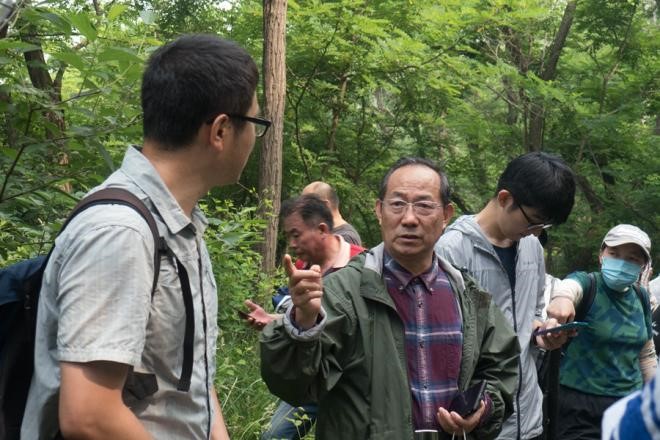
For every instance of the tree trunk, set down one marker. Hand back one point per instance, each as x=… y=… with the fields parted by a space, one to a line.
x=41 y=79
x=336 y=111
x=548 y=72
x=595 y=204
x=270 y=164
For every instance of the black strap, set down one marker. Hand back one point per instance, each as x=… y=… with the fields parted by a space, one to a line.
x=587 y=300
x=121 y=196
x=189 y=335
x=646 y=306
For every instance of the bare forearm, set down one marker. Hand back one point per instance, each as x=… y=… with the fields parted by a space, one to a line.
x=648 y=360
x=116 y=423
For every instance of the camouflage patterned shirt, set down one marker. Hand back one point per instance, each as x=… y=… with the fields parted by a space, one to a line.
x=603 y=359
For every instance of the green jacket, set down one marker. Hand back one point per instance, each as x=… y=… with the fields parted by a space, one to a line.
x=355 y=366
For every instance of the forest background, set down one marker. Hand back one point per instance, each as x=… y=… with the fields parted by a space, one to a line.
x=468 y=83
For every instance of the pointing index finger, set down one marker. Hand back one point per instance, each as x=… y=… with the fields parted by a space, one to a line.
x=289 y=268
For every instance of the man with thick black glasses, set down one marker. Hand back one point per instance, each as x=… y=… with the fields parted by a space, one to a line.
x=116 y=356
x=498 y=246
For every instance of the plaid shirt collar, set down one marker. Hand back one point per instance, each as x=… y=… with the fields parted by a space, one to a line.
x=404 y=277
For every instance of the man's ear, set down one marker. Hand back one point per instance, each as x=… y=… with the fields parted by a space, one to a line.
x=448 y=211
x=378 y=209
x=504 y=198
x=217 y=134
x=323 y=228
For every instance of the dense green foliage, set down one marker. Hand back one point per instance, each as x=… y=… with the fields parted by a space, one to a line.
x=460 y=81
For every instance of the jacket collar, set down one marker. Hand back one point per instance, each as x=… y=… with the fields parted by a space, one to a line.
x=373 y=286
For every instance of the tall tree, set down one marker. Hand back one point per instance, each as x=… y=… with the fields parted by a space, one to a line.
x=270 y=164
x=548 y=72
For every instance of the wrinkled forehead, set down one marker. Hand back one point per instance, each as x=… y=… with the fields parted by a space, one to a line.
x=414 y=180
x=295 y=223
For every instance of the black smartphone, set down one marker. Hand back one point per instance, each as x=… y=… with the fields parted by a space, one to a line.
x=243 y=314
x=468 y=401
x=563 y=327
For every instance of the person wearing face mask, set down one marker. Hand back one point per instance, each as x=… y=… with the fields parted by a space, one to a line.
x=615 y=354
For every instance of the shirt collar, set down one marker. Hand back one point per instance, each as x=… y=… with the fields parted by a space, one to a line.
x=403 y=276
x=141 y=171
x=344 y=254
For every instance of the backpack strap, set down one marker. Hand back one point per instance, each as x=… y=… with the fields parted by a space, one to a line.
x=587 y=299
x=121 y=196
x=646 y=305
x=189 y=334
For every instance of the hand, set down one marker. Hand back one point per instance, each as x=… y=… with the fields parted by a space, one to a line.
x=306 y=289
x=258 y=317
x=562 y=309
x=453 y=423
x=551 y=341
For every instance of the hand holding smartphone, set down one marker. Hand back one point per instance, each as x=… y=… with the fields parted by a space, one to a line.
x=468 y=401
x=243 y=314
x=564 y=327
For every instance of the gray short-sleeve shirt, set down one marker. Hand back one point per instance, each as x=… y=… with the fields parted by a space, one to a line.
x=96 y=305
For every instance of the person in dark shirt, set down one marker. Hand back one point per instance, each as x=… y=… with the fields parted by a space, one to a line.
x=329 y=196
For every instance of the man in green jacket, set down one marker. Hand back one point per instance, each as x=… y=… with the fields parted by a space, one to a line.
x=384 y=345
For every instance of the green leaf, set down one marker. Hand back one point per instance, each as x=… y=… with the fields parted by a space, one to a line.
x=119 y=54
x=115 y=11
x=20 y=46
x=60 y=23
x=106 y=156
x=71 y=58
x=84 y=25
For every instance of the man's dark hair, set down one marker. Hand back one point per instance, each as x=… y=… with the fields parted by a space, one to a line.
x=190 y=80
x=541 y=181
x=445 y=191
x=311 y=209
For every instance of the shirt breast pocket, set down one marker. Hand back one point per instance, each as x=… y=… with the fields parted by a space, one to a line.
x=167 y=320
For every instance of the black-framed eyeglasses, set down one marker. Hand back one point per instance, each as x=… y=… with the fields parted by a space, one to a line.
x=260 y=125
x=530 y=224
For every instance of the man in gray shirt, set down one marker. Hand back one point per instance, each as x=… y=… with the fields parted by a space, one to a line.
x=329 y=196
x=99 y=327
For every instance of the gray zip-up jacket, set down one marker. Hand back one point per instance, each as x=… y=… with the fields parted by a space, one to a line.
x=465 y=245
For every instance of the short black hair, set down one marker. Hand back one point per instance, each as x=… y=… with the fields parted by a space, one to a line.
x=311 y=209
x=541 y=181
x=192 y=79
x=445 y=190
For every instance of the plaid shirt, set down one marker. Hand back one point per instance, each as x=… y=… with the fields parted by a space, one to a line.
x=433 y=337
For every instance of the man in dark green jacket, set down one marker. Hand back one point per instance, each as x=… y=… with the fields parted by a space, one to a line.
x=400 y=331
